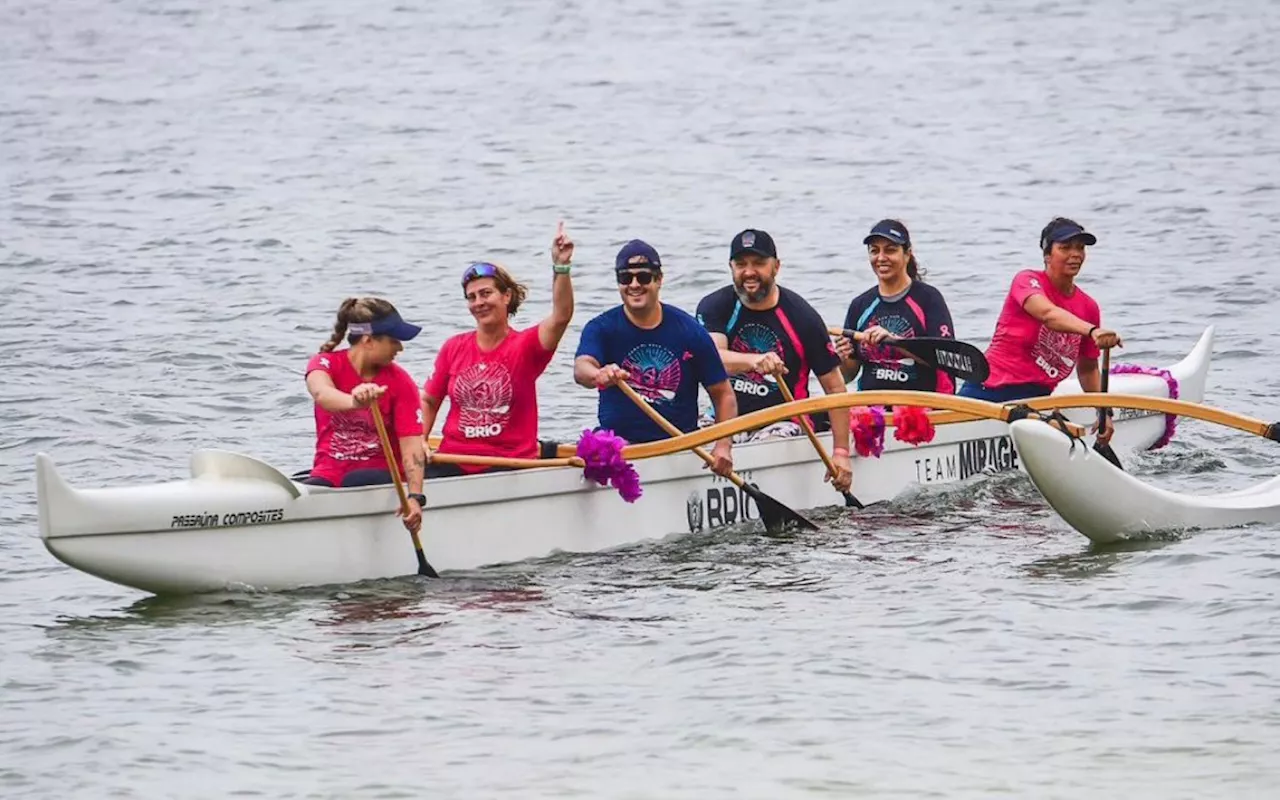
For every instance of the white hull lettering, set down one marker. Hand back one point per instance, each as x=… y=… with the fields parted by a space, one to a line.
x=939 y=469
x=987 y=455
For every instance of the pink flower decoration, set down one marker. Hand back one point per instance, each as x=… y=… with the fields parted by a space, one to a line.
x=602 y=452
x=868 y=430
x=1170 y=420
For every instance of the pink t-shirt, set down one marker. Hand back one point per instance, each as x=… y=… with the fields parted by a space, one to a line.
x=493 y=398
x=348 y=440
x=1025 y=351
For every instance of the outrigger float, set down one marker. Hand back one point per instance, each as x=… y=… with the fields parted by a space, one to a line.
x=238 y=523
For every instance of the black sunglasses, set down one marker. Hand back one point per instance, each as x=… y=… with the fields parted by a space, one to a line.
x=644 y=277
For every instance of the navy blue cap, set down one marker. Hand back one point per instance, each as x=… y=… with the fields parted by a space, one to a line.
x=635 y=249
x=891 y=230
x=1063 y=230
x=753 y=241
x=390 y=325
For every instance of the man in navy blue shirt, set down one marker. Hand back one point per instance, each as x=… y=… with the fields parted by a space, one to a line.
x=660 y=350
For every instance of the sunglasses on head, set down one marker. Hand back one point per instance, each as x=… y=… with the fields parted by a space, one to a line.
x=482 y=270
x=643 y=277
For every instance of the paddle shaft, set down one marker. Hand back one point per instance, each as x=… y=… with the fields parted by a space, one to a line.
x=672 y=430
x=424 y=567
x=817 y=445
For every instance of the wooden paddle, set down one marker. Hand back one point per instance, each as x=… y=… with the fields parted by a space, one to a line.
x=953 y=357
x=849 y=499
x=774 y=514
x=1104 y=448
x=424 y=568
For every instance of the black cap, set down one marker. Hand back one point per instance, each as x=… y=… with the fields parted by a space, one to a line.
x=889 y=229
x=1062 y=230
x=753 y=241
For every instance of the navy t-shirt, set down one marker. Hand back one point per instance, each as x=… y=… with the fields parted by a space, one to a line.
x=666 y=364
x=792 y=329
x=921 y=311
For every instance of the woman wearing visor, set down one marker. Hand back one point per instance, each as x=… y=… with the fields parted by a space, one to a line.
x=344 y=383
x=1048 y=327
x=490 y=374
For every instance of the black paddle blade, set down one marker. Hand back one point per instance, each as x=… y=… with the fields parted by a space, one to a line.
x=960 y=359
x=1106 y=452
x=775 y=515
x=424 y=567
x=852 y=502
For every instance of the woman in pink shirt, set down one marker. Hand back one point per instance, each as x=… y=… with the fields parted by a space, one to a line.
x=345 y=383
x=1048 y=325
x=490 y=374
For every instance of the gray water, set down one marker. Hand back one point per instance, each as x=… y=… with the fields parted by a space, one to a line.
x=192 y=188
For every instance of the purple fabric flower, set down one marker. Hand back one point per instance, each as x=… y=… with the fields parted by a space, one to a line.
x=1170 y=420
x=602 y=452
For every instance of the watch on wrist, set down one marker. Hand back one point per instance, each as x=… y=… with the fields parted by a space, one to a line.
x=421 y=498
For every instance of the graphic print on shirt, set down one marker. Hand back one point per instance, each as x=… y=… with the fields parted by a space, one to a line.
x=755 y=338
x=1055 y=352
x=483 y=394
x=655 y=372
x=886 y=363
x=353 y=437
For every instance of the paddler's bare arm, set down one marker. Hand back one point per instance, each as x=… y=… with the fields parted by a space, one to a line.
x=833 y=383
x=736 y=363
x=413 y=456
x=588 y=372
x=1061 y=320
x=430 y=407
x=1089 y=374
x=333 y=400
x=551 y=330
x=725 y=402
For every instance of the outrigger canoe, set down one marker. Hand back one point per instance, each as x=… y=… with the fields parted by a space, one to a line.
x=238 y=523
x=1109 y=505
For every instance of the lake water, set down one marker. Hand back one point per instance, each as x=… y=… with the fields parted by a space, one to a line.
x=191 y=189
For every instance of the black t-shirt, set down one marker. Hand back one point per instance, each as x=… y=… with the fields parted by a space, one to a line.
x=920 y=311
x=792 y=329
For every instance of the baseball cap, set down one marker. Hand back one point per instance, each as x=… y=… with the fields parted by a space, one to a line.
x=889 y=229
x=753 y=241
x=1062 y=229
x=390 y=325
x=636 y=249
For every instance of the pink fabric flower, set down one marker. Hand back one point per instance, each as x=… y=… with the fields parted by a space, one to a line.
x=1170 y=420
x=868 y=430
x=911 y=424
x=602 y=452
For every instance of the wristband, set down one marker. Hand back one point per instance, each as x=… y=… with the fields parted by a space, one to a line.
x=1091 y=330
x=840 y=451
x=421 y=498
x=561 y=269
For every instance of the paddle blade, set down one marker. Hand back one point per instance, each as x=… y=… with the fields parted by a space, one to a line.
x=953 y=357
x=775 y=515
x=852 y=502
x=1106 y=452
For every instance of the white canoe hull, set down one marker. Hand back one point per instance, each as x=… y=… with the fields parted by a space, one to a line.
x=1109 y=505
x=240 y=524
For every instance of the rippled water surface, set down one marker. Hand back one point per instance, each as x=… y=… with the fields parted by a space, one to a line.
x=191 y=189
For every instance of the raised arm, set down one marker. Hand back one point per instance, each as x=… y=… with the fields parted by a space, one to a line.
x=333 y=400
x=551 y=330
